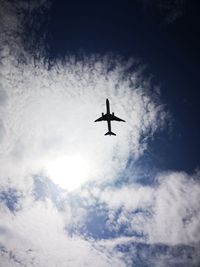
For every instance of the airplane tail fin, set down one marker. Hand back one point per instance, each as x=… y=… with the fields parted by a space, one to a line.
x=110 y=133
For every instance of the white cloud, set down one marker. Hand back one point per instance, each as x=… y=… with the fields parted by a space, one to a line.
x=49 y=115
x=36 y=236
x=167 y=213
x=46 y=116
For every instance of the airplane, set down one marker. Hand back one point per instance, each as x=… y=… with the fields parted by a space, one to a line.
x=108 y=117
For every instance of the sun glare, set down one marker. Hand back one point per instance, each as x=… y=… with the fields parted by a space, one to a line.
x=69 y=172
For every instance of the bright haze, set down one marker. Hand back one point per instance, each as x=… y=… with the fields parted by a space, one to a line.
x=69 y=195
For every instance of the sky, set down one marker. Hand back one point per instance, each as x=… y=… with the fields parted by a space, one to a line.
x=69 y=195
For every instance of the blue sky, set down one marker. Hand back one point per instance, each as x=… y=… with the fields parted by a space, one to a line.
x=70 y=196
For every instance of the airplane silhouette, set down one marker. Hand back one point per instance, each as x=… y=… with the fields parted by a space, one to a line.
x=108 y=117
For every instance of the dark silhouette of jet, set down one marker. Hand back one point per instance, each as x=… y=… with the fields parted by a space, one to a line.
x=108 y=117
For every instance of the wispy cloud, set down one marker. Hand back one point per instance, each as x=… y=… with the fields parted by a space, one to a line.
x=47 y=114
x=35 y=236
x=163 y=213
x=168 y=10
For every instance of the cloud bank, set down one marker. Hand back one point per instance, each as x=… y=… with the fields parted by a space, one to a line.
x=61 y=202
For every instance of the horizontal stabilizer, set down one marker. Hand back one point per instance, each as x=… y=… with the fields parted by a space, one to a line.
x=110 y=133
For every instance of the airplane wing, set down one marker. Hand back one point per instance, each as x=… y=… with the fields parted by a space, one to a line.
x=102 y=118
x=114 y=118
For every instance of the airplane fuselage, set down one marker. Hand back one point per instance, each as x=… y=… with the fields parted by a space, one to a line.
x=108 y=117
x=107 y=106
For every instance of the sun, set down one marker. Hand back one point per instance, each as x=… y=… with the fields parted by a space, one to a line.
x=69 y=172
